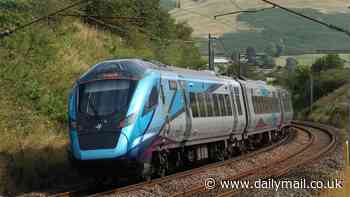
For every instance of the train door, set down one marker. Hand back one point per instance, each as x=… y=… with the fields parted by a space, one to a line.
x=246 y=106
x=174 y=111
x=228 y=116
x=238 y=109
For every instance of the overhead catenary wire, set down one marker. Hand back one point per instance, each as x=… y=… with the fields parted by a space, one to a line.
x=11 y=31
x=331 y=26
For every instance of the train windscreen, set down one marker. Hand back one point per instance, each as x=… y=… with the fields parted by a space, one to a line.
x=105 y=97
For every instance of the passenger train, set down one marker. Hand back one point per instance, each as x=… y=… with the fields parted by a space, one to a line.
x=155 y=118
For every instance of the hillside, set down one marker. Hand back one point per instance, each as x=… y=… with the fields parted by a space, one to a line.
x=39 y=65
x=260 y=29
x=199 y=13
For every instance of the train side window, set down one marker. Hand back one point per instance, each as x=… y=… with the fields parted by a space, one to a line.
x=152 y=101
x=254 y=104
x=216 y=105
x=228 y=104
x=239 y=104
x=209 y=99
x=261 y=104
x=222 y=105
x=272 y=105
x=202 y=107
x=268 y=107
x=193 y=102
x=257 y=104
x=289 y=103
x=285 y=102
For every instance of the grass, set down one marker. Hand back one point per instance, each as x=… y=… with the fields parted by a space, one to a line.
x=333 y=109
x=38 y=67
x=34 y=88
x=296 y=34
x=32 y=148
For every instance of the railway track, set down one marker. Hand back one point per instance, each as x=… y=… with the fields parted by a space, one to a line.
x=309 y=143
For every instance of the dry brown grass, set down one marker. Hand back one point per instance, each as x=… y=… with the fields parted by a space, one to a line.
x=344 y=192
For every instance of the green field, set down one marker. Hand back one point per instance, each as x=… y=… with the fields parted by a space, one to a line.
x=296 y=33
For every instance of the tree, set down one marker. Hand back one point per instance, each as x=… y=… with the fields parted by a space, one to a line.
x=271 y=49
x=280 y=48
x=251 y=55
x=269 y=62
x=327 y=62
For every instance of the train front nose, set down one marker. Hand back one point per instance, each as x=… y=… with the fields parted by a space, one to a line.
x=102 y=110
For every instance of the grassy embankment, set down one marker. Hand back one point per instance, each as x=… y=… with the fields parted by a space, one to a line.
x=33 y=101
x=333 y=109
x=38 y=66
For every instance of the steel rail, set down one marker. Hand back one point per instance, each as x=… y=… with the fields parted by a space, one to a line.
x=268 y=169
x=177 y=175
x=284 y=170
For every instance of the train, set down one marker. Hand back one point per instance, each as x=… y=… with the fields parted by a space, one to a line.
x=149 y=118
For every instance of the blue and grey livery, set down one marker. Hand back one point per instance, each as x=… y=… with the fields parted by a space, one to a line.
x=147 y=113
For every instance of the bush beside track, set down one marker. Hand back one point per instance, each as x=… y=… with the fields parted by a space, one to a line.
x=38 y=66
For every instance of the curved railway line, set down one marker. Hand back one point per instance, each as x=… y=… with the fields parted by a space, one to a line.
x=306 y=144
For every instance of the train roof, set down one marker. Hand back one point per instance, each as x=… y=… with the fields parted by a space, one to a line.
x=142 y=65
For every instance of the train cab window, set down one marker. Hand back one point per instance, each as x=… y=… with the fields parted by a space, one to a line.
x=238 y=100
x=209 y=100
x=152 y=101
x=216 y=105
x=193 y=101
x=222 y=105
x=201 y=102
x=228 y=104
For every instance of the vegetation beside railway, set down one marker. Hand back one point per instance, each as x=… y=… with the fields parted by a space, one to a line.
x=38 y=66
